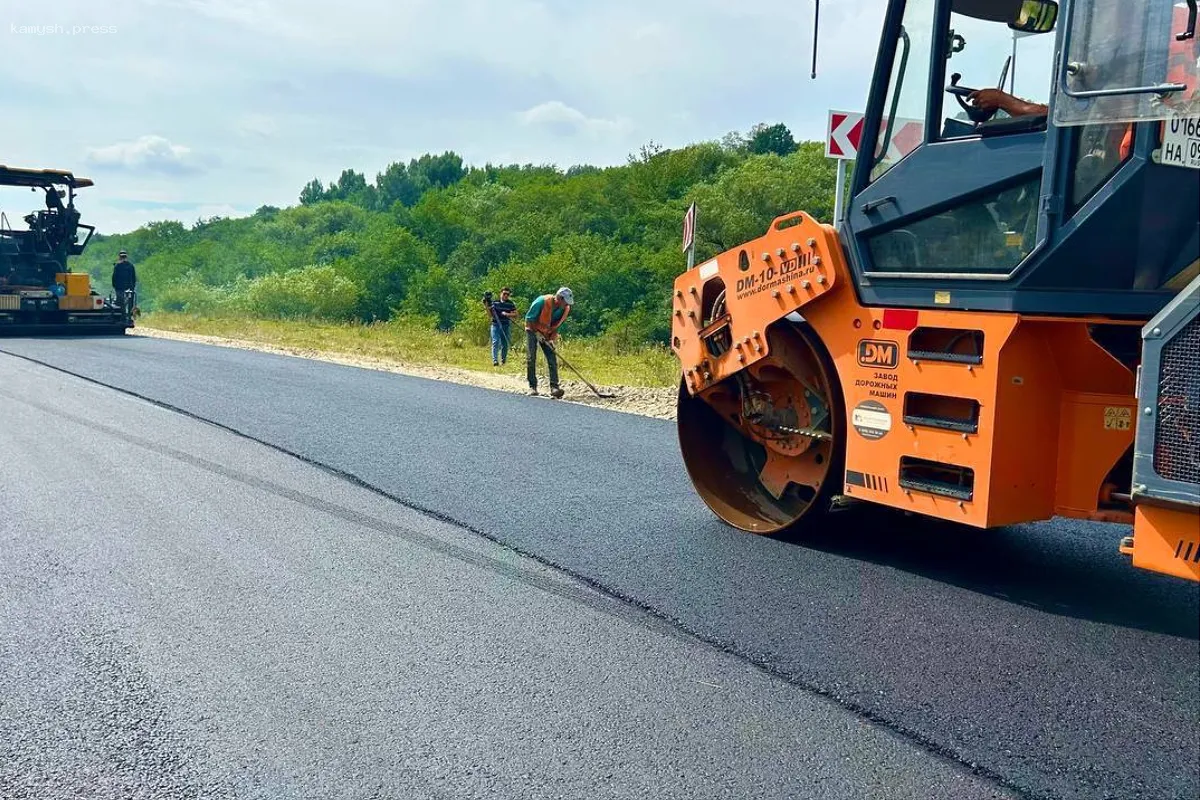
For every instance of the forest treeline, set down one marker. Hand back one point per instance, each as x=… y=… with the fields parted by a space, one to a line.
x=426 y=238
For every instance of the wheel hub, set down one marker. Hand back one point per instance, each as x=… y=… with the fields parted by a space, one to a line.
x=761 y=447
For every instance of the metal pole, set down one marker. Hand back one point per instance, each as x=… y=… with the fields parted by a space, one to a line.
x=816 y=26
x=1012 y=76
x=839 y=197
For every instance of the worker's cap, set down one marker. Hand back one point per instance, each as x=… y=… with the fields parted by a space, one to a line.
x=122 y=253
x=567 y=296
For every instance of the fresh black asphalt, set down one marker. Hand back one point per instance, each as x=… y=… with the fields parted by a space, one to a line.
x=1036 y=654
x=186 y=614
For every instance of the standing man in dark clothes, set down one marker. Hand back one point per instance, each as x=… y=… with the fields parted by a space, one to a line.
x=503 y=311
x=124 y=279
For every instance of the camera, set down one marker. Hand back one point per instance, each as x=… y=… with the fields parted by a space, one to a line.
x=487 y=303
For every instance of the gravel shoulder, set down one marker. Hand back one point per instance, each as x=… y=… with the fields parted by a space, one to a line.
x=657 y=403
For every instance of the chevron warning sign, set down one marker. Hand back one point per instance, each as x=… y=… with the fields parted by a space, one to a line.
x=844 y=134
x=689 y=227
x=845 y=129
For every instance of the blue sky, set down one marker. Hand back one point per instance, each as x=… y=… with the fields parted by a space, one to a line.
x=186 y=108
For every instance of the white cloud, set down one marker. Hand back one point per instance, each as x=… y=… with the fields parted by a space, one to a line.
x=562 y=118
x=147 y=153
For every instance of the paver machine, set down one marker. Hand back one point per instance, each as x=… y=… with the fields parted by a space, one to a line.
x=1002 y=325
x=39 y=294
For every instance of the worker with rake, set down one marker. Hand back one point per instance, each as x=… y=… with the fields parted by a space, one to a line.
x=542 y=321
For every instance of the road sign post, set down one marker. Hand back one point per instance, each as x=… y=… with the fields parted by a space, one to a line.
x=839 y=196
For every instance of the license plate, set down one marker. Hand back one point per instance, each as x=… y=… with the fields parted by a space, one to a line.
x=1181 y=142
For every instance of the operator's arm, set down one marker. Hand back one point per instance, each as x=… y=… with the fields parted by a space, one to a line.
x=988 y=99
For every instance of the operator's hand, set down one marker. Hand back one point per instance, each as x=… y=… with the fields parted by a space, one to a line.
x=988 y=99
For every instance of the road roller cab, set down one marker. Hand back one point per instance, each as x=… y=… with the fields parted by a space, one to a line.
x=1002 y=327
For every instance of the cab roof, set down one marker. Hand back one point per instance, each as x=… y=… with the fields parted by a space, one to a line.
x=15 y=176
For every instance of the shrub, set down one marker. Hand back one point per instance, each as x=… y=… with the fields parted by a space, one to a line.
x=312 y=291
x=191 y=296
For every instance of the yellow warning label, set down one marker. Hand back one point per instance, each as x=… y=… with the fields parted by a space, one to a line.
x=1117 y=418
x=941 y=298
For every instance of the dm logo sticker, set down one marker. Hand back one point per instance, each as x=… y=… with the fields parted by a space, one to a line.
x=871 y=420
x=878 y=354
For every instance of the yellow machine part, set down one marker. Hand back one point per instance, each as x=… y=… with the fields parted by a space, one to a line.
x=78 y=284
x=77 y=303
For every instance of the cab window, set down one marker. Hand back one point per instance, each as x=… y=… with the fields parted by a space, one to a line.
x=986 y=54
x=902 y=127
x=989 y=235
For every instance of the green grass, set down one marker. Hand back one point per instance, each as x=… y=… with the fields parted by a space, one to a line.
x=601 y=360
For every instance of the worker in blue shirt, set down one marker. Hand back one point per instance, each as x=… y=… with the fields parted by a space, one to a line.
x=542 y=321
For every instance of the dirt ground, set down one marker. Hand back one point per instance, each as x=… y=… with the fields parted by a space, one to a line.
x=647 y=402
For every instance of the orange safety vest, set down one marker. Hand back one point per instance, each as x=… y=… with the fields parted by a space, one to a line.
x=544 y=323
x=1181 y=68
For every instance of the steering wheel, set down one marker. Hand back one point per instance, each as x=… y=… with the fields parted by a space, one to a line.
x=976 y=115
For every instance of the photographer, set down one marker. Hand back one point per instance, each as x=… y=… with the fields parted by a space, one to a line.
x=502 y=312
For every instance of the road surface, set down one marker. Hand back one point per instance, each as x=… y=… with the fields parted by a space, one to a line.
x=1035 y=656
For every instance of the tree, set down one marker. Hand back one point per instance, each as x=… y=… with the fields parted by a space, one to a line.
x=352 y=187
x=395 y=185
x=582 y=169
x=734 y=142
x=775 y=139
x=646 y=152
x=437 y=172
x=436 y=294
x=386 y=261
x=165 y=233
x=406 y=184
x=739 y=205
x=313 y=192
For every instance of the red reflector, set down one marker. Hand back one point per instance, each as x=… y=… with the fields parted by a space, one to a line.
x=900 y=319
